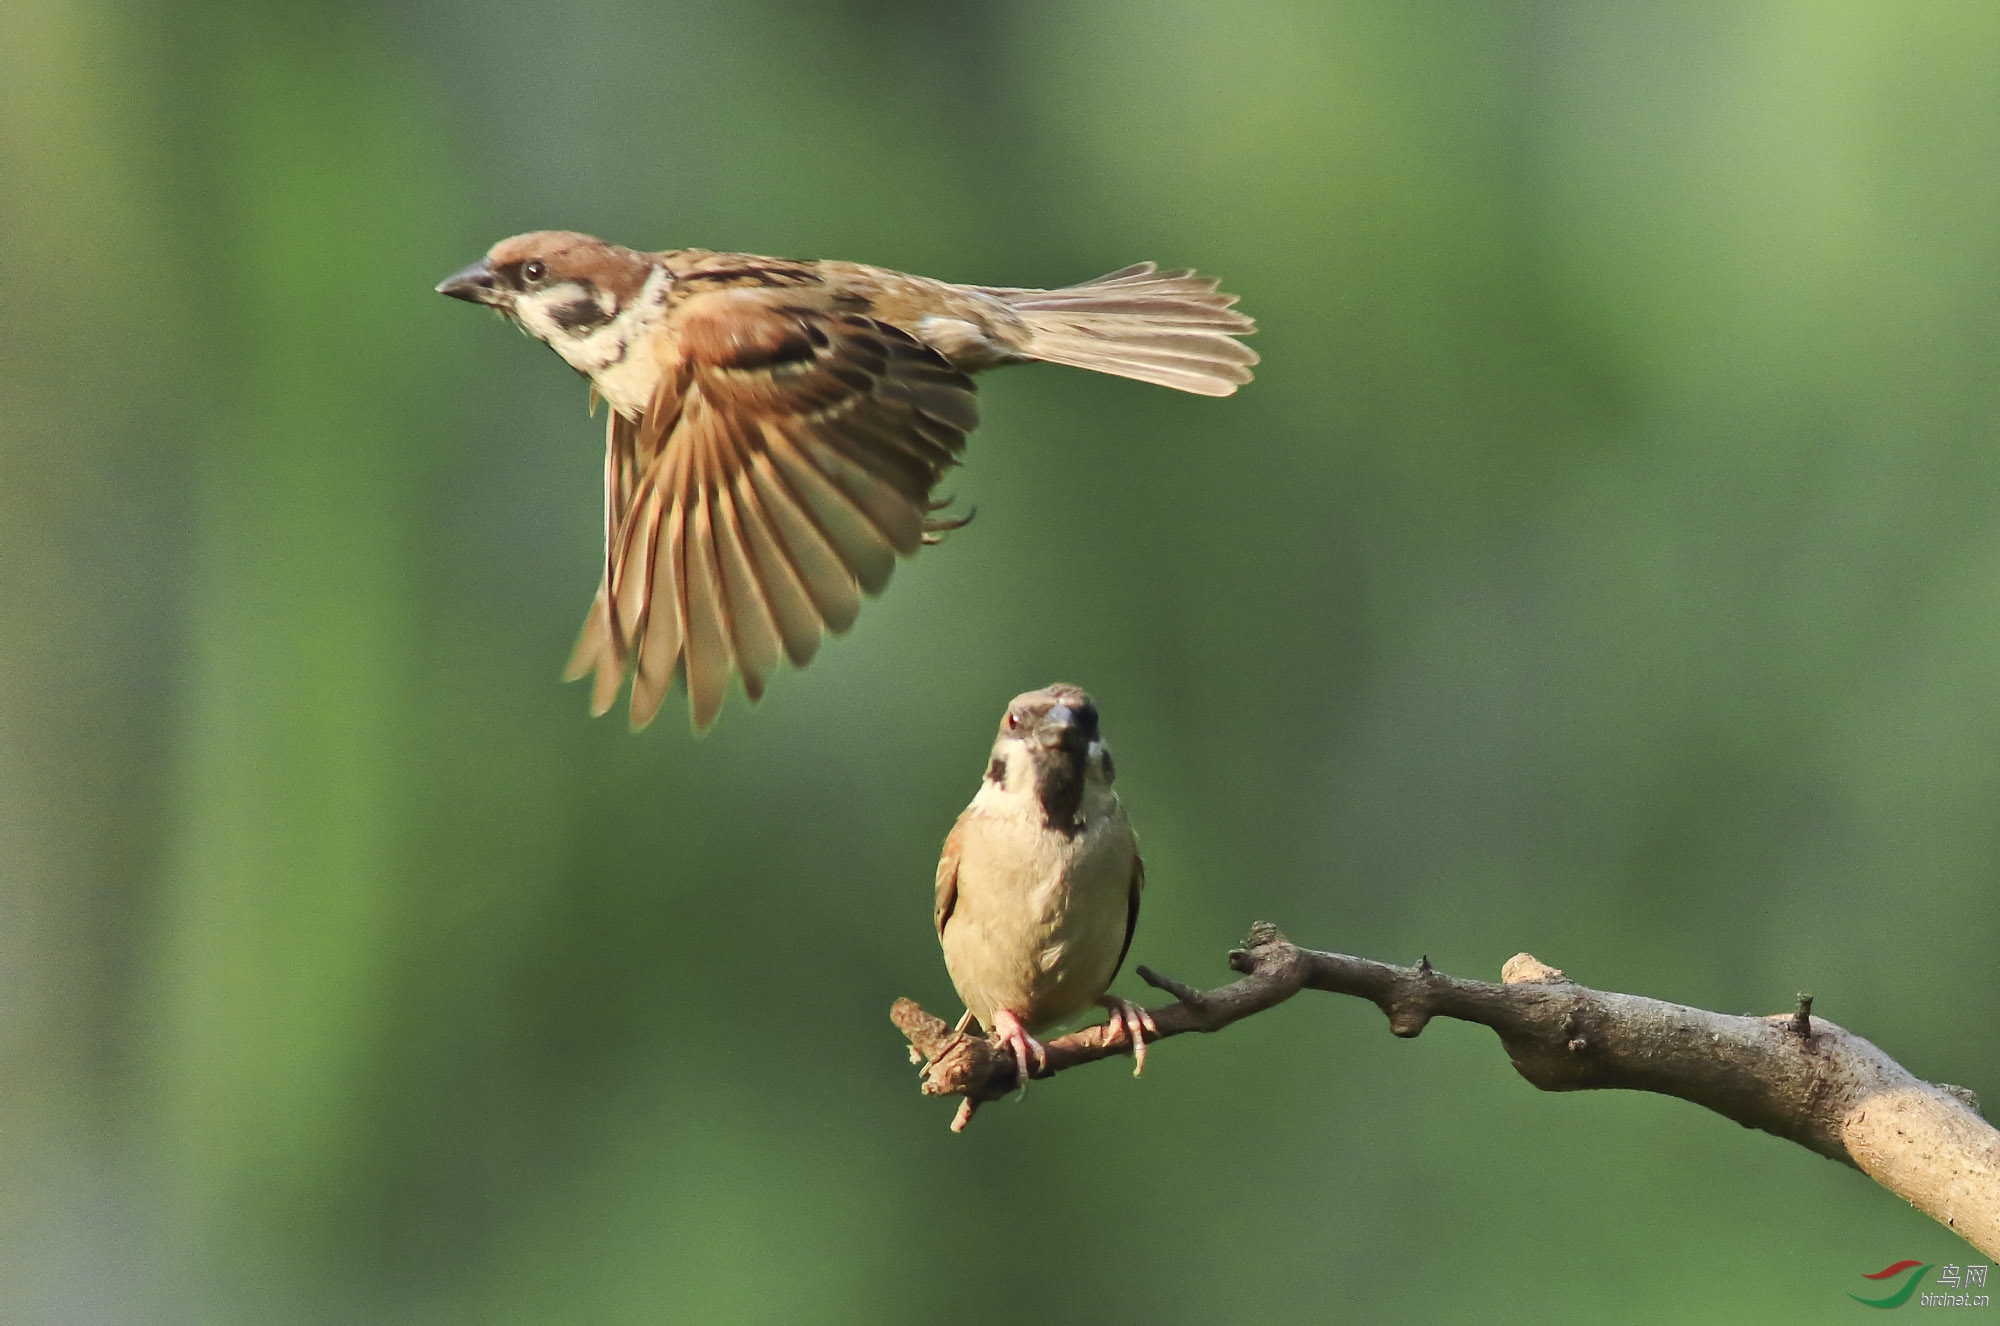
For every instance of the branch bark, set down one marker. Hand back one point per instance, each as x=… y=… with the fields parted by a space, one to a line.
x=1793 y=1075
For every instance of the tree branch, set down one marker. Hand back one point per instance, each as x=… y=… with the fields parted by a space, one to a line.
x=1793 y=1075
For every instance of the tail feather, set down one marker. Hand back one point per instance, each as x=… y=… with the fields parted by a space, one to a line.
x=1169 y=328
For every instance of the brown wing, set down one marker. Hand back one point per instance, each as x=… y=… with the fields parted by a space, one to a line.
x=1131 y=911
x=595 y=649
x=947 y=878
x=785 y=464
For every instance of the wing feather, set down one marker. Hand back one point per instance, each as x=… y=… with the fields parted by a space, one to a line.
x=827 y=581
x=792 y=609
x=656 y=672
x=753 y=634
x=867 y=555
x=1137 y=885
x=596 y=650
x=633 y=569
x=706 y=649
x=787 y=461
x=947 y=876
x=655 y=625
x=592 y=642
x=898 y=522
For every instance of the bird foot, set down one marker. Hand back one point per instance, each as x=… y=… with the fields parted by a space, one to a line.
x=1129 y=1021
x=936 y=527
x=1008 y=1031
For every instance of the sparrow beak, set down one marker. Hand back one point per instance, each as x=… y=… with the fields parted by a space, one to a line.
x=474 y=285
x=1070 y=733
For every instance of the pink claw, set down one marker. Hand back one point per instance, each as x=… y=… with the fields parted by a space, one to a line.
x=1129 y=1021
x=1008 y=1031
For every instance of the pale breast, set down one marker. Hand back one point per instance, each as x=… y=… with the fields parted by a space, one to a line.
x=1041 y=916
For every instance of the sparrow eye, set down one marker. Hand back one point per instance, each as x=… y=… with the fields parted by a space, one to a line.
x=532 y=272
x=1013 y=720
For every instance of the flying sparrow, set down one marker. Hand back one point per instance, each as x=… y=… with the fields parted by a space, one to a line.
x=777 y=428
x=1038 y=887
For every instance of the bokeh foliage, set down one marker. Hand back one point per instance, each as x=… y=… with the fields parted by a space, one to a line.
x=1606 y=562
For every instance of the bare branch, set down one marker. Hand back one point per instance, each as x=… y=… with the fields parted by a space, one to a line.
x=972 y=1067
x=1806 y=1080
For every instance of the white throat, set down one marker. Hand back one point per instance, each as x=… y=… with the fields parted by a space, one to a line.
x=1015 y=796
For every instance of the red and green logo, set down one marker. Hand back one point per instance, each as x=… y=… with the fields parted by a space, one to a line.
x=1912 y=1272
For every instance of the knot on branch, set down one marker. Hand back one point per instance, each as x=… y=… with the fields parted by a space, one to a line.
x=1802 y=1019
x=1410 y=1003
x=1264 y=947
x=1527 y=969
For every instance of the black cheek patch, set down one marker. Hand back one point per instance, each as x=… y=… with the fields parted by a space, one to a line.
x=996 y=772
x=580 y=314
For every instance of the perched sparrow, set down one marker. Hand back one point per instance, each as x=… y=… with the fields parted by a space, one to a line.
x=777 y=428
x=1038 y=887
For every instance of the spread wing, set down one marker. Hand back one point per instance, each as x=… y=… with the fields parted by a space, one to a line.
x=947 y=878
x=1131 y=911
x=785 y=464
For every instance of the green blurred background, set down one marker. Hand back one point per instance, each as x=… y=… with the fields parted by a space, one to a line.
x=1605 y=563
